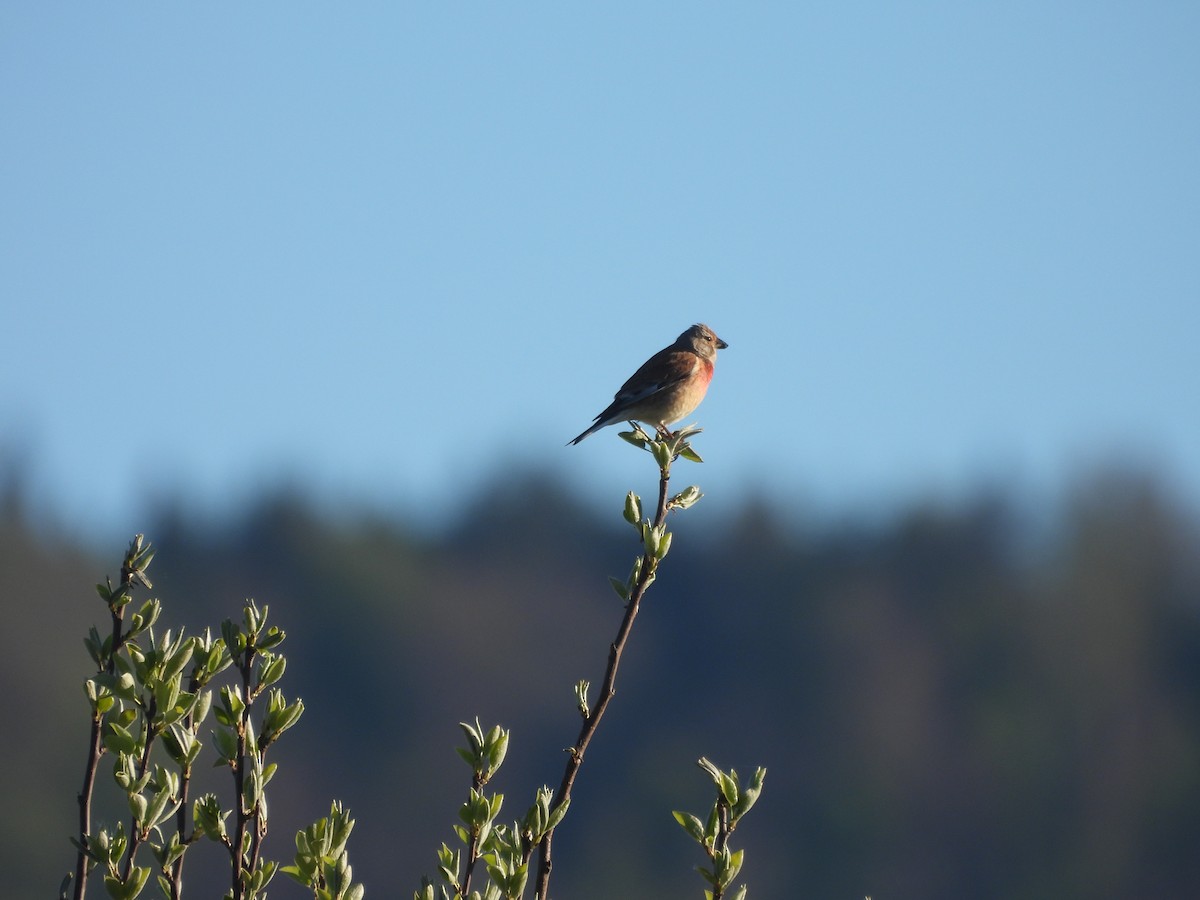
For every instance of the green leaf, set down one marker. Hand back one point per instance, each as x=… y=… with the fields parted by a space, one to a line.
x=729 y=787
x=203 y=704
x=637 y=438
x=118 y=739
x=497 y=748
x=692 y=825
x=127 y=890
x=731 y=864
x=664 y=546
x=281 y=718
x=226 y=745
x=166 y=695
x=635 y=573
x=146 y=616
x=138 y=806
x=252 y=617
x=231 y=707
x=178 y=660
x=713 y=826
x=633 y=508
x=158 y=806
x=559 y=813
x=750 y=794
x=651 y=537
x=581 y=697
x=273 y=638
x=273 y=670
x=178 y=742
x=474 y=735
x=619 y=586
x=713 y=772
x=95 y=645
x=689 y=496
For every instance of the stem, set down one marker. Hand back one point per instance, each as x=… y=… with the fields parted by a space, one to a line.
x=472 y=855
x=185 y=778
x=135 y=834
x=96 y=748
x=247 y=861
x=721 y=841
x=185 y=781
x=477 y=784
x=239 y=776
x=607 y=690
x=256 y=839
x=85 y=805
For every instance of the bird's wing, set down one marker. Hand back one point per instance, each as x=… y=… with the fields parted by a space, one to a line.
x=663 y=369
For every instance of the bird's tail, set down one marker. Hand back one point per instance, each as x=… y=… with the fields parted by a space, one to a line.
x=600 y=423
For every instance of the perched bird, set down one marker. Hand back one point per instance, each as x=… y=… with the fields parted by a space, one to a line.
x=668 y=386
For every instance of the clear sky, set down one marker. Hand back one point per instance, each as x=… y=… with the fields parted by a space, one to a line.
x=384 y=250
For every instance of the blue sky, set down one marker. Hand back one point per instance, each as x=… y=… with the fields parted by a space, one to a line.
x=384 y=251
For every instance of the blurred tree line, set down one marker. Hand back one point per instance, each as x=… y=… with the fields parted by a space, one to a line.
x=958 y=702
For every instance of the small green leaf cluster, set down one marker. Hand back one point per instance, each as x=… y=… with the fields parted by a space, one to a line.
x=652 y=533
x=108 y=849
x=147 y=690
x=654 y=538
x=150 y=698
x=666 y=446
x=732 y=802
x=241 y=745
x=322 y=862
x=503 y=849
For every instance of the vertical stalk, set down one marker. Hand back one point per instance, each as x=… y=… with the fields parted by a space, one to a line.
x=607 y=690
x=95 y=745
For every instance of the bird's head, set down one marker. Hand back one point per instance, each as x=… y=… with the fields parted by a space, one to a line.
x=702 y=340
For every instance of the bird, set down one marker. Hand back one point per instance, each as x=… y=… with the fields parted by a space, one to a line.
x=668 y=386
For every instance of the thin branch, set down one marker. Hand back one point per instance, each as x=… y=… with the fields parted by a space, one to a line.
x=96 y=746
x=469 y=869
x=607 y=690
x=85 y=804
x=185 y=782
x=239 y=777
x=135 y=834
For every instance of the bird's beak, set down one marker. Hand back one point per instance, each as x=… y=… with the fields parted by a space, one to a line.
x=721 y=345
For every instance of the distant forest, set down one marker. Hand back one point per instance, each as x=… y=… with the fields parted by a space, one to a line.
x=958 y=702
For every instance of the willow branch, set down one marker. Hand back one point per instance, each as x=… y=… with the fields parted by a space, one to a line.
x=591 y=721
